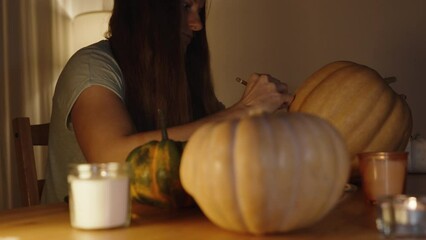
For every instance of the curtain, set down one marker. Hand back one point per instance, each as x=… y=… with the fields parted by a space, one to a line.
x=37 y=38
x=33 y=50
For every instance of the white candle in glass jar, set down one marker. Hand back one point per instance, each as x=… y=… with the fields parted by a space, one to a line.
x=99 y=197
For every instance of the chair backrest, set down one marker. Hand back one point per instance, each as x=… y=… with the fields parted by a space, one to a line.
x=26 y=137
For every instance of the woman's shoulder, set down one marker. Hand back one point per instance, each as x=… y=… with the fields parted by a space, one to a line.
x=99 y=48
x=95 y=56
x=91 y=65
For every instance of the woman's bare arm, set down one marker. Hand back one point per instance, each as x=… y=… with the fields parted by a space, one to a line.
x=105 y=132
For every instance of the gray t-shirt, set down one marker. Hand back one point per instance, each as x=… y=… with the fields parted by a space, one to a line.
x=92 y=65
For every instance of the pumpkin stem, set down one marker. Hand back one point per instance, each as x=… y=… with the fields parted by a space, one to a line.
x=164 y=134
x=390 y=80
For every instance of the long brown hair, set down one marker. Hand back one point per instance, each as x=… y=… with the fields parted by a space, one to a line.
x=145 y=39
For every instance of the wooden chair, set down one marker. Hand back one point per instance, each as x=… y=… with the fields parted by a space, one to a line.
x=26 y=137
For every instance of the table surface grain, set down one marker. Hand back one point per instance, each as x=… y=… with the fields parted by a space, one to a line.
x=352 y=218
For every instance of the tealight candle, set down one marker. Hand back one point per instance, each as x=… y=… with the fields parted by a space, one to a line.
x=99 y=195
x=402 y=216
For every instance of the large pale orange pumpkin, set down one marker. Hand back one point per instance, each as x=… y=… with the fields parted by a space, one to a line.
x=265 y=173
x=356 y=100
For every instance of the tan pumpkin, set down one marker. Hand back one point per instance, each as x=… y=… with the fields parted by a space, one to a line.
x=266 y=173
x=356 y=100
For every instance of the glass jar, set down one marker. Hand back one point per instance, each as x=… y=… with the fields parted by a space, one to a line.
x=99 y=195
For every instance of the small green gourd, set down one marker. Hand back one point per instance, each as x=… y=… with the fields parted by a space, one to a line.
x=155 y=172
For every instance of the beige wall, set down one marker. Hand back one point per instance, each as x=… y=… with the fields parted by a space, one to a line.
x=290 y=39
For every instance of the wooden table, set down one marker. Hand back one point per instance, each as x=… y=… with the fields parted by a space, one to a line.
x=352 y=218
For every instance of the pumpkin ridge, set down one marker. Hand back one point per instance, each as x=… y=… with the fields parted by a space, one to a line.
x=173 y=170
x=204 y=187
x=275 y=131
x=368 y=126
x=267 y=140
x=407 y=131
x=173 y=178
x=264 y=134
x=311 y=96
x=294 y=168
x=215 y=204
x=233 y=175
x=135 y=158
x=291 y=221
x=219 y=135
x=346 y=165
x=311 y=83
x=190 y=174
x=312 y=213
x=383 y=127
x=381 y=122
x=240 y=134
x=166 y=187
x=335 y=192
x=302 y=170
x=154 y=168
x=347 y=76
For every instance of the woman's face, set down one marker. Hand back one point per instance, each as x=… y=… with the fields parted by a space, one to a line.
x=191 y=19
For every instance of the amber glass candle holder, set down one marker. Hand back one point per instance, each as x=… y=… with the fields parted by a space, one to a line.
x=382 y=173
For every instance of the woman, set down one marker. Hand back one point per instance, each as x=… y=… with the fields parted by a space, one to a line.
x=155 y=57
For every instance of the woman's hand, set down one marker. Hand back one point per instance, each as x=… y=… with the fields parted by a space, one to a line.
x=265 y=94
